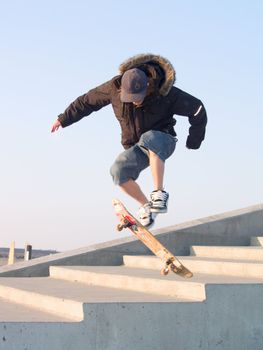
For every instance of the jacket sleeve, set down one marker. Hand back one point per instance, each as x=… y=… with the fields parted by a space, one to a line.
x=187 y=105
x=84 y=105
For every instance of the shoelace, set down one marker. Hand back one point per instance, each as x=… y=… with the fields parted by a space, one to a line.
x=159 y=196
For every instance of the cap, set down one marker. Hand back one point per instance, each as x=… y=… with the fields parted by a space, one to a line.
x=133 y=85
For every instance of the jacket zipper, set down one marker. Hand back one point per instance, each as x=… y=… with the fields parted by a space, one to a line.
x=128 y=113
x=134 y=123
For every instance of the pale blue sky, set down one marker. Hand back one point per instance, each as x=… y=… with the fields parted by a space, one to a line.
x=55 y=190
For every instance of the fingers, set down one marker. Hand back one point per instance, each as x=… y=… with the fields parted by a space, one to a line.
x=55 y=126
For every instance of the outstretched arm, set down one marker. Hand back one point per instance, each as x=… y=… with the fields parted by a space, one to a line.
x=84 y=105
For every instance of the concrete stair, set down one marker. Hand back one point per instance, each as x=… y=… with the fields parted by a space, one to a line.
x=203 y=265
x=133 y=279
x=246 y=253
x=256 y=241
x=99 y=305
x=62 y=295
x=246 y=262
x=63 y=300
x=18 y=312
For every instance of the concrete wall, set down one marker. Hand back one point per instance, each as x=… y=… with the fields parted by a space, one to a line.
x=232 y=228
x=230 y=319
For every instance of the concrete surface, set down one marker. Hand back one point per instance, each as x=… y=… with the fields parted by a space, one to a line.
x=132 y=279
x=65 y=299
x=132 y=306
x=237 y=268
x=231 y=228
x=256 y=241
x=250 y=253
x=14 y=312
x=230 y=318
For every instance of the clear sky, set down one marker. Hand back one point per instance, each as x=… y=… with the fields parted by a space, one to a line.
x=55 y=189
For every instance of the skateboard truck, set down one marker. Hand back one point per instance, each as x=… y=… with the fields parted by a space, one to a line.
x=123 y=224
x=169 y=266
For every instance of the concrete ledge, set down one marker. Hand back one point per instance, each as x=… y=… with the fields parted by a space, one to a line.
x=256 y=241
x=231 y=228
x=214 y=324
x=244 y=253
x=137 y=280
x=241 y=268
x=64 y=308
x=45 y=299
x=14 y=312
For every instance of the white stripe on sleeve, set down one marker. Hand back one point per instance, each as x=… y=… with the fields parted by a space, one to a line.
x=198 y=111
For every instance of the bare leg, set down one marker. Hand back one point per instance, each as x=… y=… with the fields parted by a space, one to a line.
x=133 y=189
x=157 y=169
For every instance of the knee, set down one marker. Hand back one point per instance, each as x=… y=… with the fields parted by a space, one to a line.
x=122 y=173
x=116 y=172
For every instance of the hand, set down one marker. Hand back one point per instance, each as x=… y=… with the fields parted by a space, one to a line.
x=56 y=126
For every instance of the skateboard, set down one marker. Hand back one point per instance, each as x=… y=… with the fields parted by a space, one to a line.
x=127 y=220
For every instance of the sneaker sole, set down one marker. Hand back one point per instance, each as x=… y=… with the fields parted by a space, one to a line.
x=159 y=211
x=149 y=225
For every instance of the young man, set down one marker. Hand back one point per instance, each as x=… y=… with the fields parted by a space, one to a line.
x=144 y=101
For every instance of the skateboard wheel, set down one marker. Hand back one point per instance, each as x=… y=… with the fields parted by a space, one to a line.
x=119 y=227
x=165 y=271
x=173 y=268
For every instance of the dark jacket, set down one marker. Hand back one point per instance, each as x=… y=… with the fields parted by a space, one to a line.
x=157 y=111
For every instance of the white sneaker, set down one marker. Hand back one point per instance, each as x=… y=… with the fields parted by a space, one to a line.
x=145 y=215
x=159 y=201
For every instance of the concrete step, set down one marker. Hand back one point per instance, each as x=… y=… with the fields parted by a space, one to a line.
x=138 y=280
x=241 y=268
x=37 y=293
x=230 y=318
x=48 y=299
x=147 y=280
x=256 y=241
x=13 y=312
x=244 y=253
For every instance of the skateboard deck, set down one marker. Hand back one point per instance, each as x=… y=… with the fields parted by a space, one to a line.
x=127 y=220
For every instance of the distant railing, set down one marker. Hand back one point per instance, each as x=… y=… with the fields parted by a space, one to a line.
x=11 y=254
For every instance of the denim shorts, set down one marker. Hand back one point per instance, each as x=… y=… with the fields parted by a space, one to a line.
x=132 y=161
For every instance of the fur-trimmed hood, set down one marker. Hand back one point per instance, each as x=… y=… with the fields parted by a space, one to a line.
x=156 y=67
